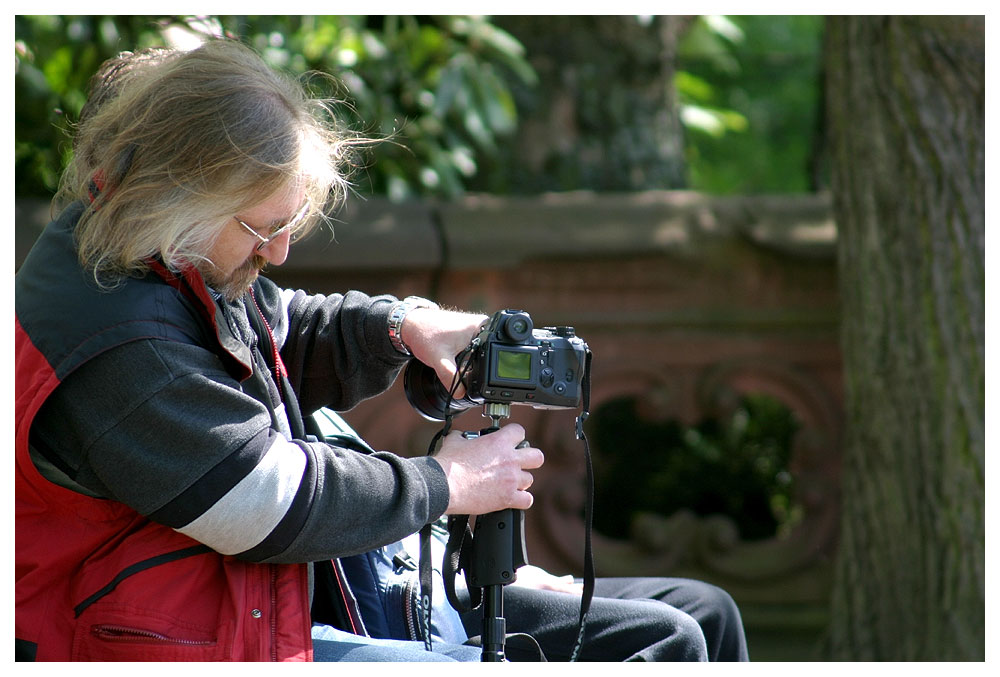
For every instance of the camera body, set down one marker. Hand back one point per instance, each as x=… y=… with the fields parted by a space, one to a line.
x=509 y=362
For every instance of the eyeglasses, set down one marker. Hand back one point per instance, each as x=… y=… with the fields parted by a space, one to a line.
x=278 y=231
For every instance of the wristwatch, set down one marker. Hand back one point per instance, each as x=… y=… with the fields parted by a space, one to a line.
x=398 y=313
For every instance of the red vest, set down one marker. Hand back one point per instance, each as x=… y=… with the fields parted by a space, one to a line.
x=94 y=579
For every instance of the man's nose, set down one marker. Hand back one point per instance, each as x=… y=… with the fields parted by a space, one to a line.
x=276 y=251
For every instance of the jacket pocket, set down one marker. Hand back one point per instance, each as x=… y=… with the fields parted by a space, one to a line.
x=150 y=598
x=108 y=632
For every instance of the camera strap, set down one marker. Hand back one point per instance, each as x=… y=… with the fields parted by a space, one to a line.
x=589 y=575
x=456 y=523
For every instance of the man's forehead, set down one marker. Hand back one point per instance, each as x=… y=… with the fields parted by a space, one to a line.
x=280 y=208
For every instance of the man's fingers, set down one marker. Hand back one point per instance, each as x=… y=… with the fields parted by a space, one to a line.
x=532 y=458
x=527 y=479
x=522 y=500
x=446 y=371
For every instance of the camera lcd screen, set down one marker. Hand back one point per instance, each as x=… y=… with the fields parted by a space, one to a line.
x=514 y=365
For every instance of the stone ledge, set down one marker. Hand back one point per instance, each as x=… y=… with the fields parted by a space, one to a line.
x=377 y=234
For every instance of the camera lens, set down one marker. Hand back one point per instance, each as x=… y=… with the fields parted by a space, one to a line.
x=428 y=395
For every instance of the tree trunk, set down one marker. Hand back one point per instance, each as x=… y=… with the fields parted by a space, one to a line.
x=906 y=107
x=604 y=115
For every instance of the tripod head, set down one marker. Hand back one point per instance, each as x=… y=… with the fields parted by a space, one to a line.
x=496 y=412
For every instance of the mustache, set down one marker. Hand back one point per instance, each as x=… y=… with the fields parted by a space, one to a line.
x=237 y=283
x=256 y=262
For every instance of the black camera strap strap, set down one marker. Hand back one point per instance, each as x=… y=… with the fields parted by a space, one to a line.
x=459 y=531
x=455 y=557
x=425 y=567
x=425 y=571
x=589 y=576
x=459 y=536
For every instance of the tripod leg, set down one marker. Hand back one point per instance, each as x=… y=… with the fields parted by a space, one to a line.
x=494 y=625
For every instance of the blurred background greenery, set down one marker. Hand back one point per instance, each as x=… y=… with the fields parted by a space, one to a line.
x=736 y=466
x=455 y=92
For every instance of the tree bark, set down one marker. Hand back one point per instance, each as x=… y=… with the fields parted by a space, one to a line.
x=905 y=99
x=604 y=115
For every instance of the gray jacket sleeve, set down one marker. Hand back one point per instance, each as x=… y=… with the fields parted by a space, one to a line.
x=337 y=348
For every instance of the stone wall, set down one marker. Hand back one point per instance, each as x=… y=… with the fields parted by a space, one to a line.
x=686 y=302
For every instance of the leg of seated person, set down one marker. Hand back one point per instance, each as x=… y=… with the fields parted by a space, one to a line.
x=711 y=606
x=331 y=644
x=617 y=629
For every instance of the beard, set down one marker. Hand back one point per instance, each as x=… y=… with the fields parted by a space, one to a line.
x=236 y=284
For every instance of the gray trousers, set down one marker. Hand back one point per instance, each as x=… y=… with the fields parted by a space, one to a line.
x=639 y=619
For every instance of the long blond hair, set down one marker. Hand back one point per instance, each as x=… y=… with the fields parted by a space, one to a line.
x=181 y=141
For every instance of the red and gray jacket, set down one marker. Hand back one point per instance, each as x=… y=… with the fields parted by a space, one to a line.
x=107 y=577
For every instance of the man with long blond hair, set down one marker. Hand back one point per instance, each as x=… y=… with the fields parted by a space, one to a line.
x=172 y=501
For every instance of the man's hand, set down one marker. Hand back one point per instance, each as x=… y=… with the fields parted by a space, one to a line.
x=488 y=473
x=539 y=579
x=436 y=337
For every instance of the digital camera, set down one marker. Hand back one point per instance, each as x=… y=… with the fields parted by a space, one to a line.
x=508 y=362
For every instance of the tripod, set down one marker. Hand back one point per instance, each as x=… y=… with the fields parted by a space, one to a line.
x=496 y=552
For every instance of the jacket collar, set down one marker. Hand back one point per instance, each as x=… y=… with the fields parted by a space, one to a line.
x=190 y=283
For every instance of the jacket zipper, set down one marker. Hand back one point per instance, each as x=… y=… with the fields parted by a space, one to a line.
x=279 y=365
x=122 y=633
x=274 y=613
x=411 y=603
x=409 y=609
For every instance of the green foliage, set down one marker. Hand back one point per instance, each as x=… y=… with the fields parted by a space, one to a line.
x=436 y=87
x=736 y=467
x=54 y=59
x=442 y=90
x=750 y=93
